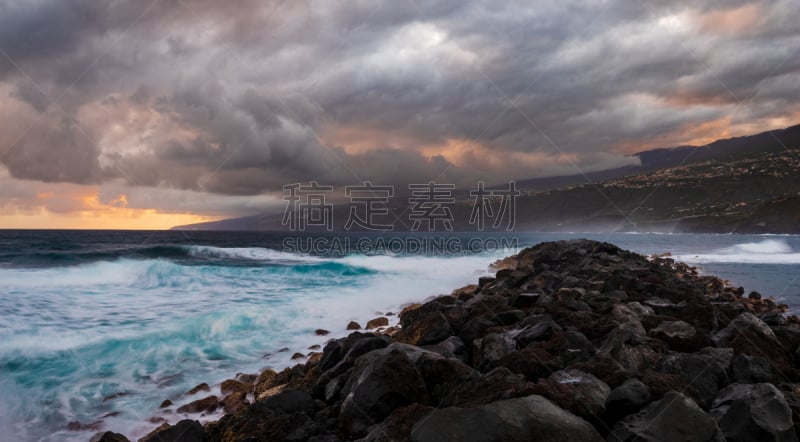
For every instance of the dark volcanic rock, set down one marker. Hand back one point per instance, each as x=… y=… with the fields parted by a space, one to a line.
x=379 y=382
x=520 y=419
x=377 y=322
x=575 y=391
x=570 y=341
x=705 y=372
x=109 y=436
x=754 y=412
x=428 y=329
x=628 y=398
x=674 y=418
x=748 y=369
x=207 y=404
x=184 y=431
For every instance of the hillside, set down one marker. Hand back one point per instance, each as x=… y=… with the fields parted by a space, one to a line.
x=746 y=185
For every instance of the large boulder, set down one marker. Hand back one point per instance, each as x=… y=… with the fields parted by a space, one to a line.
x=754 y=412
x=674 y=418
x=706 y=371
x=520 y=419
x=426 y=330
x=578 y=392
x=379 y=382
x=747 y=334
x=626 y=399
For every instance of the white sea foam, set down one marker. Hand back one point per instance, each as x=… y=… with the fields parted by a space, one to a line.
x=249 y=253
x=768 y=251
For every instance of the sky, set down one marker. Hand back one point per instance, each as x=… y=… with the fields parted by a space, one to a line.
x=153 y=113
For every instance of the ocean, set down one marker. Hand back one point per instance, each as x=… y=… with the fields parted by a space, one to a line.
x=99 y=327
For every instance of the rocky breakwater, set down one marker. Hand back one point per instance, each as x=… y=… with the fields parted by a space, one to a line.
x=575 y=340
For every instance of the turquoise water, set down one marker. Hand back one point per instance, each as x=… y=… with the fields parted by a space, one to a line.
x=100 y=327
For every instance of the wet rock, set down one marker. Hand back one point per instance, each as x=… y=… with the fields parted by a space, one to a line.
x=247 y=378
x=321 y=332
x=109 y=436
x=754 y=412
x=265 y=381
x=298 y=355
x=314 y=347
x=353 y=325
x=207 y=405
x=377 y=322
x=235 y=402
x=234 y=386
x=199 y=388
x=508 y=420
x=165 y=404
x=673 y=418
x=426 y=330
x=184 y=431
x=626 y=399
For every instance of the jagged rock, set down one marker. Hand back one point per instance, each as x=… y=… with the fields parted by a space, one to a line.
x=290 y=401
x=184 y=431
x=681 y=336
x=520 y=419
x=498 y=384
x=199 y=388
x=575 y=391
x=538 y=331
x=233 y=386
x=207 y=404
x=532 y=362
x=754 y=412
x=524 y=300
x=629 y=311
x=508 y=317
x=109 y=436
x=626 y=399
x=426 y=330
x=673 y=418
x=748 y=369
x=265 y=381
x=235 y=402
x=494 y=347
x=452 y=347
x=706 y=372
x=379 y=382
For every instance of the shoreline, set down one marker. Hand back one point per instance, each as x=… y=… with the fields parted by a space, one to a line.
x=572 y=337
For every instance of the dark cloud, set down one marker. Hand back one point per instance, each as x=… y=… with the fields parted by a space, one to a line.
x=238 y=98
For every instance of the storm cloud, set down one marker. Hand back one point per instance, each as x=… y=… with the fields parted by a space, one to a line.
x=239 y=98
